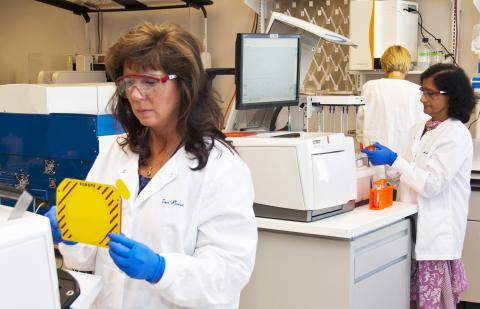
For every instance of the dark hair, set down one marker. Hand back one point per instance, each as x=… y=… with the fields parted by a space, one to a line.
x=453 y=80
x=173 y=50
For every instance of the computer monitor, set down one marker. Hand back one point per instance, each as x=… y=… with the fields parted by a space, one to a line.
x=267 y=70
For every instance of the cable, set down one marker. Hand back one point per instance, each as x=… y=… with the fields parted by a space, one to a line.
x=42 y=204
x=439 y=41
x=471 y=123
x=422 y=28
x=273 y=121
x=229 y=106
x=59 y=256
x=420 y=23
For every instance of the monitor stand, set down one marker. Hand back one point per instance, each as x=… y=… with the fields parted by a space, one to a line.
x=250 y=120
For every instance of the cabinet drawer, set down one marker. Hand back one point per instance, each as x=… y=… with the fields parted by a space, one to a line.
x=471 y=256
x=385 y=248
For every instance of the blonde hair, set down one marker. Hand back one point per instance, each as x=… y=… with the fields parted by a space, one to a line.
x=396 y=58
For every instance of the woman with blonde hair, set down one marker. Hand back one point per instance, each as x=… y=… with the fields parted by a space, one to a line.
x=392 y=105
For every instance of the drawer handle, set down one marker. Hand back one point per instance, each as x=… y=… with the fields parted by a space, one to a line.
x=381 y=268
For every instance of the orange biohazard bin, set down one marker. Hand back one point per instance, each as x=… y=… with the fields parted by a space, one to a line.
x=381 y=195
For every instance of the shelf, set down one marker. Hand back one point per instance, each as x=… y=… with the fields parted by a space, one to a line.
x=379 y=72
x=123 y=5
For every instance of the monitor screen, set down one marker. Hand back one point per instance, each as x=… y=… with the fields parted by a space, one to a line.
x=267 y=70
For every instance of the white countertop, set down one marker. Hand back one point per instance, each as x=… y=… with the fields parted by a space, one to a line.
x=348 y=225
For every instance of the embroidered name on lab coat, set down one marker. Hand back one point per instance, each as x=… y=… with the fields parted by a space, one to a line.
x=171 y=203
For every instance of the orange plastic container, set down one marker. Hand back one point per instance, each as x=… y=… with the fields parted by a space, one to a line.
x=369 y=147
x=381 y=195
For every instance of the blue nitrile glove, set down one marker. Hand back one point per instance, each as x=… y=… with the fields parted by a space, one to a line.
x=381 y=155
x=135 y=259
x=51 y=214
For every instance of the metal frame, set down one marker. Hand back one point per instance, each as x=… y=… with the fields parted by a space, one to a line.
x=128 y=5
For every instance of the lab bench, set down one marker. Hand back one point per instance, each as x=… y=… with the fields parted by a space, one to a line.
x=359 y=259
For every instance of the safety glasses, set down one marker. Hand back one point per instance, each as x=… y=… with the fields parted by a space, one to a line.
x=430 y=93
x=145 y=84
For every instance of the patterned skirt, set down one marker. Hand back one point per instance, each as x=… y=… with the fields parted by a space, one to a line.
x=437 y=284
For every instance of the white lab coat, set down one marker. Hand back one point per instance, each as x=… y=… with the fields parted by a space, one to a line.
x=202 y=222
x=392 y=107
x=435 y=174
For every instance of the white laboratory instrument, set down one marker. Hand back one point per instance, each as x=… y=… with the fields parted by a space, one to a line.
x=28 y=270
x=69 y=77
x=85 y=98
x=88 y=68
x=306 y=177
x=329 y=104
x=50 y=132
x=376 y=25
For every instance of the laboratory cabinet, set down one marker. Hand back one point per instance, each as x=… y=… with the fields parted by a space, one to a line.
x=471 y=258
x=471 y=248
x=309 y=268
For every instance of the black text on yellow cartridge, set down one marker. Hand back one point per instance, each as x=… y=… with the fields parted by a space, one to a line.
x=88 y=211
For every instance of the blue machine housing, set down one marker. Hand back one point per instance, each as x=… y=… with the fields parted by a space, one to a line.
x=38 y=151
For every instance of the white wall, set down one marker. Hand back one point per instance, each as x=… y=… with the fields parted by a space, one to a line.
x=37 y=36
x=469 y=17
x=115 y=23
x=437 y=19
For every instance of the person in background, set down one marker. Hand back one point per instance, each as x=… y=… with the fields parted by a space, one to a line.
x=189 y=233
x=392 y=105
x=435 y=174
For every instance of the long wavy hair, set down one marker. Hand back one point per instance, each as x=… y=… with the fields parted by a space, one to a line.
x=172 y=50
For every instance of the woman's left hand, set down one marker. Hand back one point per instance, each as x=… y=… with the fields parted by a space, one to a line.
x=136 y=259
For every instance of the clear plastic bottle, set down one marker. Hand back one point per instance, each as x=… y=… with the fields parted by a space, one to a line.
x=424 y=53
x=438 y=56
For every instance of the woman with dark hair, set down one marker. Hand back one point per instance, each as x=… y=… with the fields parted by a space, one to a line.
x=435 y=174
x=188 y=229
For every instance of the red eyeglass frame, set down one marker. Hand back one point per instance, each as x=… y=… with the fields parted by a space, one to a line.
x=162 y=79
x=433 y=92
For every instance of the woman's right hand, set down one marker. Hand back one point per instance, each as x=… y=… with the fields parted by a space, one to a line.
x=51 y=214
x=380 y=154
